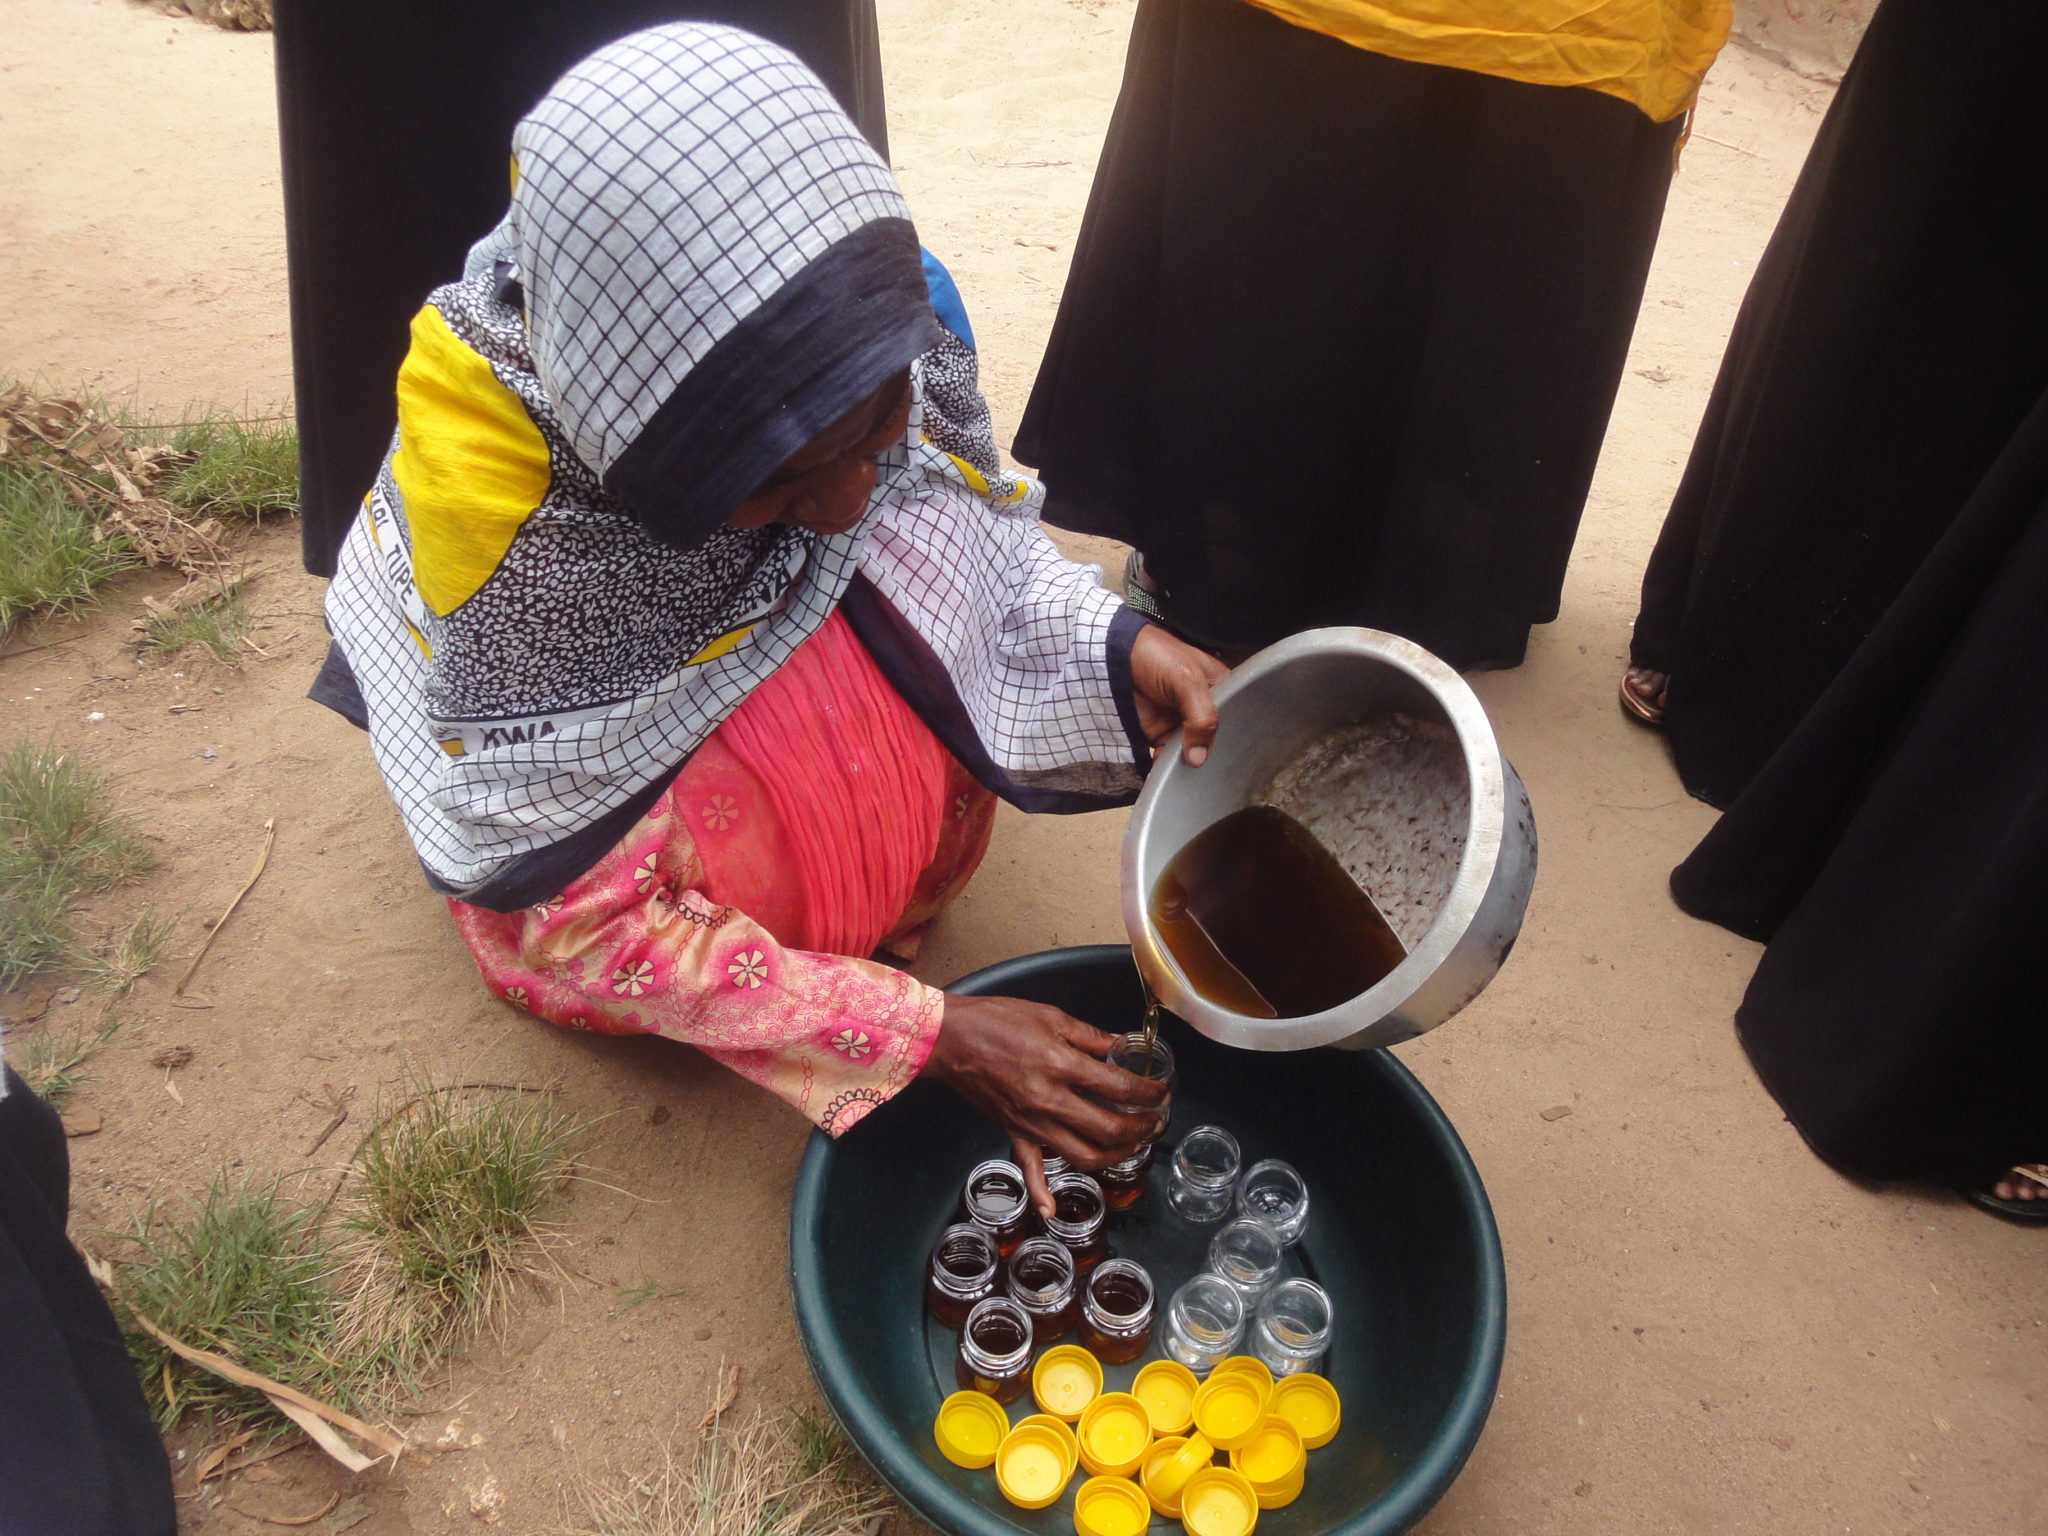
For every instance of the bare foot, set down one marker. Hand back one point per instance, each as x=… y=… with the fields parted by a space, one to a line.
x=2027 y=1181
x=1643 y=694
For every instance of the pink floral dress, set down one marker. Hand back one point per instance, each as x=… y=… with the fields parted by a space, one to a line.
x=822 y=821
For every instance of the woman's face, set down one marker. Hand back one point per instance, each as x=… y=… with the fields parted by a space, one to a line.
x=824 y=486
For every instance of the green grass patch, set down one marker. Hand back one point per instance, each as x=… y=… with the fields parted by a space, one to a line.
x=436 y=1223
x=440 y=1218
x=240 y=1271
x=50 y=558
x=61 y=837
x=229 y=467
x=218 y=625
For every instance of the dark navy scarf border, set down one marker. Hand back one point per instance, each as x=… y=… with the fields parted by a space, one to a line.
x=825 y=341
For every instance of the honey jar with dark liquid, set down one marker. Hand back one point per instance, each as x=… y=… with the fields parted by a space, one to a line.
x=996 y=1201
x=1042 y=1282
x=1123 y=1184
x=1262 y=919
x=964 y=1269
x=1116 y=1312
x=1080 y=1219
x=995 y=1350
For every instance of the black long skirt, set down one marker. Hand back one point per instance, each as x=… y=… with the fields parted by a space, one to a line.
x=1894 y=335
x=396 y=118
x=1892 y=853
x=1342 y=332
x=78 y=1453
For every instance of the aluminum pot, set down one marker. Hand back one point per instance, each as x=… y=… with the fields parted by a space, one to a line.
x=1422 y=781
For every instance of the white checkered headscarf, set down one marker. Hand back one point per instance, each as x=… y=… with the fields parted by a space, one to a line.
x=704 y=265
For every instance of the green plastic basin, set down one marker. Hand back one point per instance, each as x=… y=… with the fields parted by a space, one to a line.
x=1400 y=1233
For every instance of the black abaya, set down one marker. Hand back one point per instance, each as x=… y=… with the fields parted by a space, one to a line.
x=78 y=1453
x=1895 y=334
x=1343 y=332
x=1891 y=853
x=396 y=120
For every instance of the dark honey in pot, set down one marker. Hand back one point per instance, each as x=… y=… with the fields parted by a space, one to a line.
x=1262 y=920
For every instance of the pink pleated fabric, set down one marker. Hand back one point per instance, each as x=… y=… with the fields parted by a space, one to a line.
x=821 y=822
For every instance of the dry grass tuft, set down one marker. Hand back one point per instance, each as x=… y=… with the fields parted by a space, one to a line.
x=218 y=624
x=793 y=1476
x=51 y=1061
x=440 y=1217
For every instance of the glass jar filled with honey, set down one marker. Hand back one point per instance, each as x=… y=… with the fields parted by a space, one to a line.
x=996 y=1201
x=964 y=1269
x=995 y=1350
x=1042 y=1283
x=1123 y=1184
x=1080 y=1219
x=1116 y=1312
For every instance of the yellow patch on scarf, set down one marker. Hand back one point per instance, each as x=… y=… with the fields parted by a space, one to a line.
x=471 y=466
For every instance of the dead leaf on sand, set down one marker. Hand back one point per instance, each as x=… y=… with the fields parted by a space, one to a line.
x=257 y=1514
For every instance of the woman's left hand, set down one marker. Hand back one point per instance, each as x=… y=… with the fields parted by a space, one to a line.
x=1172 y=680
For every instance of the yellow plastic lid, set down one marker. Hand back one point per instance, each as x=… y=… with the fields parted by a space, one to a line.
x=1061 y=1431
x=969 y=1427
x=1311 y=1405
x=1110 y=1506
x=1218 y=1501
x=1167 y=1389
x=1280 y=1495
x=1115 y=1433
x=1066 y=1380
x=1032 y=1467
x=1249 y=1365
x=1166 y=1470
x=1273 y=1454
x=1229 y=1410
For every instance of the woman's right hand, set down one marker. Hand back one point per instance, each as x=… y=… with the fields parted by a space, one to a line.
x=1039 y=1074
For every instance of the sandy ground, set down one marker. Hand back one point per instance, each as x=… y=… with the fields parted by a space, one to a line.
x=1709 y=1331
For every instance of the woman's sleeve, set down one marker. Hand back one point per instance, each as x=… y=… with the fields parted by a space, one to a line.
x=633 y=947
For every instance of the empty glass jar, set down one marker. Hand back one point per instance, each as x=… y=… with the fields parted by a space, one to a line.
x=1274 y=1193
x=963 y=1271
x=1247 y=1254
x=1204 y=1322
x=1291 y=1330
x=1205 y=1168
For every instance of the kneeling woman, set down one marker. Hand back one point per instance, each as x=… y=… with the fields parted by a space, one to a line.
x=694 y=621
